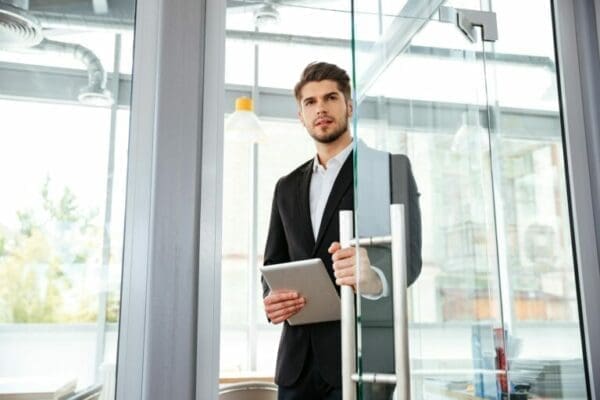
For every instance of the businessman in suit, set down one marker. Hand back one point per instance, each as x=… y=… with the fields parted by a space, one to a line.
x=305 y=224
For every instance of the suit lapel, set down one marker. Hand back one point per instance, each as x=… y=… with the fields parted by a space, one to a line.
x=342 y=183
x=303 y=197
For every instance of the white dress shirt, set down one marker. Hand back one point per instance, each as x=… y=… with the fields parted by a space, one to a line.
x=321 y=183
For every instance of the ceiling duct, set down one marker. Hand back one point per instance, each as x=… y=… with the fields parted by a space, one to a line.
x=95 y=92
x=21 y=31
x=18 y=28
x=88 y=23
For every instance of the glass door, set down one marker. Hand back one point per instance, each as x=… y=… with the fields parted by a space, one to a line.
x=533 y=221
x=476 y=160
x=426 y=83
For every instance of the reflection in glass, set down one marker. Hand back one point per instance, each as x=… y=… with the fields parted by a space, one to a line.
x=481 y=126
x=532 y=211
x=455 y=319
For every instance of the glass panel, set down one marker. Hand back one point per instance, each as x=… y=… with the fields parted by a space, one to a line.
x=279 y=52
x=248 y=341
x=63 y=158
x=534 y=228
x=421 y=93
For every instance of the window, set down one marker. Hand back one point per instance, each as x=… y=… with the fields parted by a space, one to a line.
x=430 y=103
x=63 y=162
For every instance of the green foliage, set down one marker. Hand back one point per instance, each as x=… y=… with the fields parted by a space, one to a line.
x=112 y=307
x=65 y=210
x=22 y=297
x=33 y=259
x=26 y=220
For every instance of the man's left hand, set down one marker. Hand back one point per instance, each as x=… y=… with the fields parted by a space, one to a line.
x=345 y=271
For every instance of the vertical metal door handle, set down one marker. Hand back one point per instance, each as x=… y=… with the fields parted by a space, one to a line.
x=400 y=314
x=348 y=317
x=401 y=354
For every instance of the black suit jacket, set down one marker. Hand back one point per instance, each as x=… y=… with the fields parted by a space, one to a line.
x=290 y=238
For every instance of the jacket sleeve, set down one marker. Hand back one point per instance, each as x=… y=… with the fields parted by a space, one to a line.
x=405 y=191
x=276 y=248
x=414 y=226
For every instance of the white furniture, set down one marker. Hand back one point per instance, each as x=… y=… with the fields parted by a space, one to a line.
x=35 y=388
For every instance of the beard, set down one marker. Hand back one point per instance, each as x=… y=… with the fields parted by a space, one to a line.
x=331 y=136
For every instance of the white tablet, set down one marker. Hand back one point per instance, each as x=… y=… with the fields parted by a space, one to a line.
x=310 y=279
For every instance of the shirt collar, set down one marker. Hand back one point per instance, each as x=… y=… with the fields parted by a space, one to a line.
x=338 y=158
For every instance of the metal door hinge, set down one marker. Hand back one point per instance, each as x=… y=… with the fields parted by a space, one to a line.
x=467 y=20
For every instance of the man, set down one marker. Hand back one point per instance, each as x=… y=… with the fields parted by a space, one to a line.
x=305 y=224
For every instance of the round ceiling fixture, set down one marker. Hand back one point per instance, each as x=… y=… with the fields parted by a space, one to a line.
x=95 y=97
x=18 y=28
x=266 y=15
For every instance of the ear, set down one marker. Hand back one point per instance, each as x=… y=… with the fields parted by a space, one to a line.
x=300 y=116
x=350 y=108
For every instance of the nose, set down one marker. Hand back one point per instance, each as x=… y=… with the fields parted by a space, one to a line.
x=321 y=108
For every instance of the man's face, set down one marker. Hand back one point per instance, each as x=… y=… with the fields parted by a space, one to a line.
x=324 y=111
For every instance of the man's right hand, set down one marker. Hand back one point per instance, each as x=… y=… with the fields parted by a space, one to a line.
x=280 y=305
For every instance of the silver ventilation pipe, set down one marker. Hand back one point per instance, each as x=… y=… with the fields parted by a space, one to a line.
x=22 y=4
x=83 y=22
x=22 y=31
x=95 y=92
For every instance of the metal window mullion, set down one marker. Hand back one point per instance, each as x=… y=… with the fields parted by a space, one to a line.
x=209 y=293
x=132 y=317
x=106 y=243
x=253 y=228
x=582 y=211
x=168 y=342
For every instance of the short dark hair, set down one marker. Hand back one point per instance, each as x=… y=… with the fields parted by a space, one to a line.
x=319 y=71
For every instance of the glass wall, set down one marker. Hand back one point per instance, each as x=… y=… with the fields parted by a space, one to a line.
x=533 y=217
x=64 y=106
x=480 y=123
x=264 y=62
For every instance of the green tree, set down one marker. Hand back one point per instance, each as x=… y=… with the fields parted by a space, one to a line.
x=33 y=258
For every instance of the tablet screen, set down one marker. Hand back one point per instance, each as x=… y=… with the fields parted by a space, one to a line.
x=310 y=279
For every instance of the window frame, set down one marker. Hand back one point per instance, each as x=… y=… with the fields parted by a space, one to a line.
x=169 y=323
x=572 y=24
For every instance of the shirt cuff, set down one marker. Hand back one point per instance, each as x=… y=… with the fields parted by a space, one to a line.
x=384 y=286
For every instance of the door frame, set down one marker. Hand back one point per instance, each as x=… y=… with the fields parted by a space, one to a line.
x=576 y=44
x=170 y=306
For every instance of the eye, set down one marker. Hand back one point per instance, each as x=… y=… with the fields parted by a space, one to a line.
x=308 y=102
